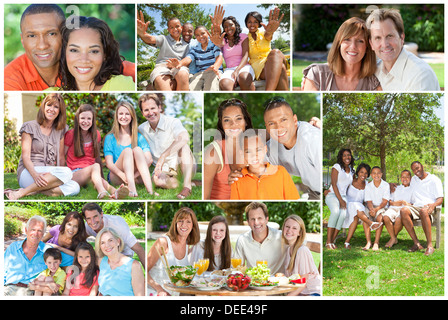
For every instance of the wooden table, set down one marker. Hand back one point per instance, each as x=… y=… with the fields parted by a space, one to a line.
x=225 y=292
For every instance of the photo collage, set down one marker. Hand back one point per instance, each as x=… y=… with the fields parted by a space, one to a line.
x=129 y=170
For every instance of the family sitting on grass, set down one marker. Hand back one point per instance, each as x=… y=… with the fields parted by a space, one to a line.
x=182 y=66
x=56 y=161
x=284 y=250
x=377 y=203
x=62 y=262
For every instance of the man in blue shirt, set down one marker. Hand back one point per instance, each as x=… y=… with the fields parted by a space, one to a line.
x=24 y=259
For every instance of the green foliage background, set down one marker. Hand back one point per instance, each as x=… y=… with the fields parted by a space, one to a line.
x=315 y=25
x=161 y=213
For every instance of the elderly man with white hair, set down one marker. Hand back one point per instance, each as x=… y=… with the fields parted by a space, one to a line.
x=24 y=259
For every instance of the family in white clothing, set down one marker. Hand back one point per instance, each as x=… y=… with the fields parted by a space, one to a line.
x=377 y=203
x=284 y=250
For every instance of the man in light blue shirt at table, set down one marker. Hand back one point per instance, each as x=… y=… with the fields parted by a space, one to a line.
x=24 y=259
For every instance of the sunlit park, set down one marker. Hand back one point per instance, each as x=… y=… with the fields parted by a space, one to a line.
x=423 y=30
x=389 y=131
x=23 y=108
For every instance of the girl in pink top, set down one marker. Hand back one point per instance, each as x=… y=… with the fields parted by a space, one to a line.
x=235 y=48
x=82 y=277
x=82 y=149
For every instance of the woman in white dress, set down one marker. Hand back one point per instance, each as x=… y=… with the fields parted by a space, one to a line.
x=183 y=232
x=355 y=199
x=341 y=178
x=216 y=247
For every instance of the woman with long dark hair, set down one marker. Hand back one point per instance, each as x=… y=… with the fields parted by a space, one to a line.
x=90 y=58
x=221 y=156
x=216 y=247
x=68 y=234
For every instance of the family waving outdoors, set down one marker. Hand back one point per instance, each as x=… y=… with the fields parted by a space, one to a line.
x=56 y=161
x=379 y=204
x=247 y=57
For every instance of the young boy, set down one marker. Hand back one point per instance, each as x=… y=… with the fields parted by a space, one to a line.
x=261 y=180
x=399 y=198
x=171 y=46
x=376 y=196
x=208 y=60
x=52 y=280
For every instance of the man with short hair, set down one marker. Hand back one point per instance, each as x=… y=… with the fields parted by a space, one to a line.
x=24 y=259
x=38 y=68
x=96 y=220
x=398 y=69
x=295 y=145
x=427 y=194
x=169 y=143
x=261 y=242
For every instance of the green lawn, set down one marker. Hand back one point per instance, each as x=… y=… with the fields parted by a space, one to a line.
x=89 y=192
x=299 y=65
x=387 y=272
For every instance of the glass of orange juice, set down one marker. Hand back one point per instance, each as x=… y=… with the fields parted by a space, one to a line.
x=198 y=264
x=206 y=263
x=265 y=262
x=235 y=261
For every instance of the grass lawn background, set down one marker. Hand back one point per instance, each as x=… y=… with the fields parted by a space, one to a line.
x=89 y=192
x=397 y=272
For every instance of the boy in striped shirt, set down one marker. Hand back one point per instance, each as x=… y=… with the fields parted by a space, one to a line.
x=208 y=59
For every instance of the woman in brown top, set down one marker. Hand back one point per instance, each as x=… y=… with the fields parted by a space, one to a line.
x=351 y=62
x=41 y=168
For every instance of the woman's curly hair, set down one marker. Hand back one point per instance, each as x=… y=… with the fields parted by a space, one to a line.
x=113 y=62
x=238 y=29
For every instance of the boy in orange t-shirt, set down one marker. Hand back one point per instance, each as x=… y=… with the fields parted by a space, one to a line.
x=261 y=180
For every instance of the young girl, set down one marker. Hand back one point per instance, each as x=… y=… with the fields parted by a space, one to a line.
x=127 y=152
x=298 y=258
x=84 y=273
x=235 y=49
x=82 y=150
x=216 y=246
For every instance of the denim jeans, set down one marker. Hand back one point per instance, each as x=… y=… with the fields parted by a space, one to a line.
x=337 y=215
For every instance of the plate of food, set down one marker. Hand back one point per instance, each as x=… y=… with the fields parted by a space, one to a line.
x=205 y=285
x=262 y=285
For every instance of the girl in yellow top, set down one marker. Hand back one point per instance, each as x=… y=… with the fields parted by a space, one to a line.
x=263 y=60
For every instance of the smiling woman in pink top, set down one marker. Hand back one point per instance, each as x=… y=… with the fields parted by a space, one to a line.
x=235 y=49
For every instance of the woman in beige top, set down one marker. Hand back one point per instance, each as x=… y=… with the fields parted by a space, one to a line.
x=42 y=162
x=351 y=62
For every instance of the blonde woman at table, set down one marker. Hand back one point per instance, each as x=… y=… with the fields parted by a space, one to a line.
x=298 y=258
x=183 y=232
x=216 y=247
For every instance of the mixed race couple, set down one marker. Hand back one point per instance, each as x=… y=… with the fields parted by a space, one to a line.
x=59 y=56
x=60 y=261
x=352 y=59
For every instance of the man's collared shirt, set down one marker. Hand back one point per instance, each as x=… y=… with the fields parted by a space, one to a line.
x=270 y=249
x=409 y=73
x=19 y=269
